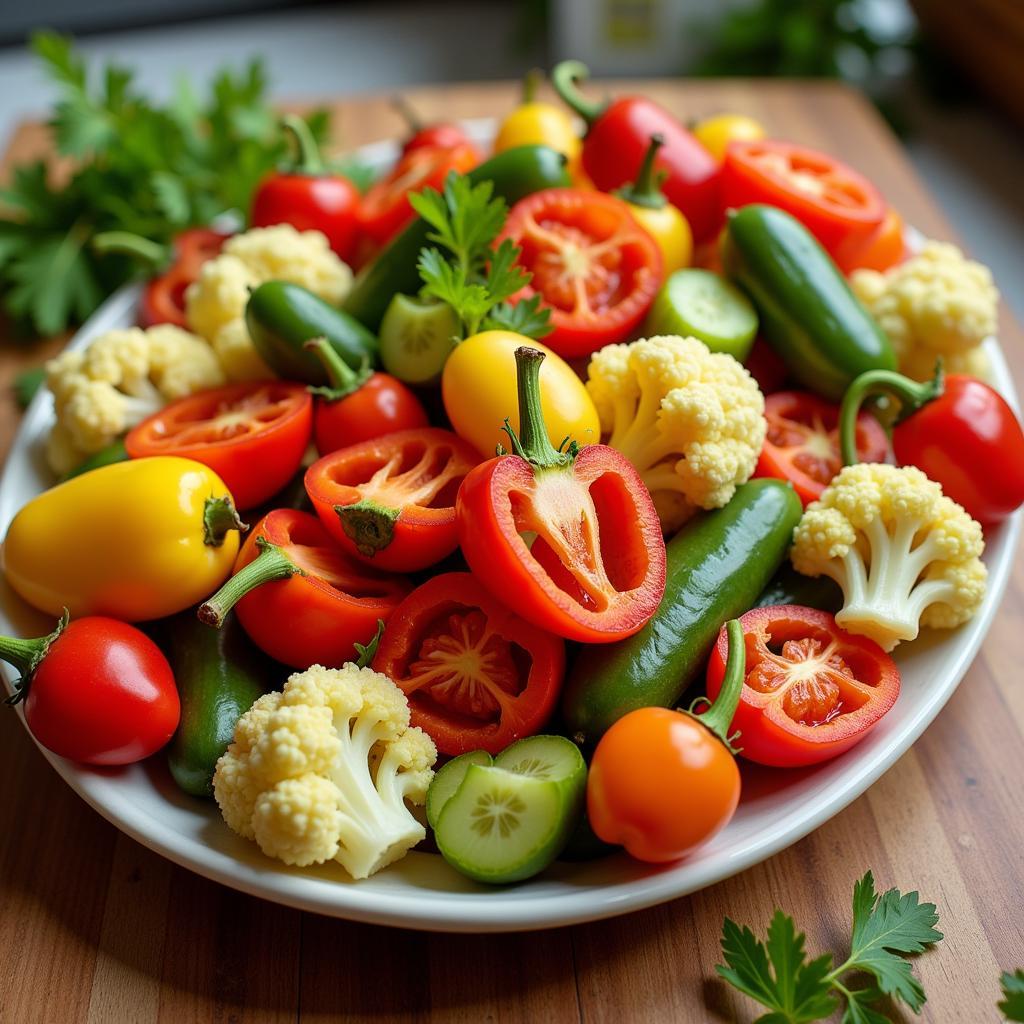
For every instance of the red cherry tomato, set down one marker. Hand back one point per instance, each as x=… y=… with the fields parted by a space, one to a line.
x=437 y=135
x=390 y=502
x=163 y=297
x=477 y=675
x=102 y=694
x=811 y=690
x=835 y=203
x=802 y=443
x=591 y=262
x=252 y=435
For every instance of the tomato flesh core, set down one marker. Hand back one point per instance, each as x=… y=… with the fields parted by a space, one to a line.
x=220 y=420
x=815 y=449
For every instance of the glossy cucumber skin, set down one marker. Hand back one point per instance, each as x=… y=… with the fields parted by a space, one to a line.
x=787 y=586
x=717 y=566
x=807 y=312
x=220 y=673
x=282 y=317
x=516 y=173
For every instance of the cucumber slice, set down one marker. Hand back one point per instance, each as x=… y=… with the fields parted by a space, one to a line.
x=545 y=757
x=447 y=780
x=703 y=304
x=416 y=339
x=502 y=827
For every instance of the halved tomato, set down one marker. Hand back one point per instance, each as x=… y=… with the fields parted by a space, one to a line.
x=811 y=691
x=252 y=435
x=592 y=264
x=802 y=443
x=477 y=675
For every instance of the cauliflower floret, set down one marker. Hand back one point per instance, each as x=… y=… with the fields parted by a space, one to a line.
x=690 y=420
x=323 y=770
x=937 y=303
x=215 y=302
x=117 y=381
x=904 y=554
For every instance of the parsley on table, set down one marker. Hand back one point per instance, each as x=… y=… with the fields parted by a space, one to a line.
x=473 y=277
x=1013 y=995
x=778 y=975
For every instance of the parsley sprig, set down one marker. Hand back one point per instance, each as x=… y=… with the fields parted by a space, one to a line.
x=1013 y=995
x=473 y=277
x=778 y=975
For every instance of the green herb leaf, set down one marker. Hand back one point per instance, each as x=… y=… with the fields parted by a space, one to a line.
x=27 y=384
x=1013 y=992
x=858 y=1009
x=527 y=317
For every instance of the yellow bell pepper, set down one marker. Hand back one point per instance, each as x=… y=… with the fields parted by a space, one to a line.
x=715 y=133
x=134 y=540
x=538 y=123
x=662 y=221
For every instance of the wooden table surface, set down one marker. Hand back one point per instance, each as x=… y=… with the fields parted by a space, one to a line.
x=94 y=927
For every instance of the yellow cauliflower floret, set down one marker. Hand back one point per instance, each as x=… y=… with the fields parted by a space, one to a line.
x=690 y=420
x=215 y=302
x=904 y=554
x=181 y=363
x=937 y=303
x=323 y=771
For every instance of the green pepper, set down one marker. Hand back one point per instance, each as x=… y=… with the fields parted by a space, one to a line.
x=114 y=452
x=282 y=317
x=808 y=313
x=516 y=173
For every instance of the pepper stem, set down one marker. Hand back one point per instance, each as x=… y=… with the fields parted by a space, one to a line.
x=718 y=718
x=402 y=106
x=367 y=652
x=308 y=159
x=532 y=443
x=565 y=79
x=220 y=517
x=343 y=380
x=26 y=654
x=270 y=564
x=127 y=243
x=646 y=189
x=531 y=83
x=911 y=395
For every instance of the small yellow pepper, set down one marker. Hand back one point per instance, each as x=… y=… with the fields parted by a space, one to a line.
x=538 y=123
x=662 y=221
x=715 y=133
x=134 y=540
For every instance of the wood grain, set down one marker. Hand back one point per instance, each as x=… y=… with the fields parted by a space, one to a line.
x=95 y=928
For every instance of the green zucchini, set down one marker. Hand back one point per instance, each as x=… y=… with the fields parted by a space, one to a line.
x=807 y=312
x=717 y=566
x=219 y=673
x=516 y=173
x=282 y=317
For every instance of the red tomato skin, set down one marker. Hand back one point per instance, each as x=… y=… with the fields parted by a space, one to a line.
x=254 y=469
x=882 y=250
x=381 y=406
x=524 y=714
x=774 y=739
x=442 y=135
x=615 y=146
x=661 y=785
x=104 y=694
x=970 y=441
x=325 y=203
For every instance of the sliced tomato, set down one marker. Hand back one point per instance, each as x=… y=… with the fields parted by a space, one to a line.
x=811 y=691
x=835 y=203
x=477 y=675
x=163 y=298
x=592 y=264
x=252 y=434
x=802 y=443
x=390 y=502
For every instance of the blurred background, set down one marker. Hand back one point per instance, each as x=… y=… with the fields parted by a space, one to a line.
x=949 y=76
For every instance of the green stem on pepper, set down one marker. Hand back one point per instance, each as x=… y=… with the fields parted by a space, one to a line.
x=220 y=517
x=400 y=104
x=342 y=379
x=269 y=565
x=718 y=717
x=308 y=159
x=367 y=652
x=154 y=255
x=565 y=79
x=26 y=654
x=646 y=189
x=531 y=83
x=532 y=443
x=911 y=395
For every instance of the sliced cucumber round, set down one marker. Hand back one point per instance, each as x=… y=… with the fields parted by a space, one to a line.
x=704 y=304
x=545 y=757
x=447 y=780
x=416 y=339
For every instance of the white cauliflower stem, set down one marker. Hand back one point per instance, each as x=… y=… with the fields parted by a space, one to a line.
x=904 y=554
x=691 y=421
x=323 y=771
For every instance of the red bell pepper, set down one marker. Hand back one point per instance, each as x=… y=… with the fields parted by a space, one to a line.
x=308 y=196
x=619 y=134
x=163 y=297
x=956 y=429
x=595 y=570
x=477 y=676
x=299 y=598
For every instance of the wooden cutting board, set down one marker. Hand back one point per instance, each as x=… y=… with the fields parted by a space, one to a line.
x=96 y=928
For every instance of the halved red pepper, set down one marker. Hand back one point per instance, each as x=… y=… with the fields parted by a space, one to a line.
x=477 y=675
x=811 y=690
x=390 y=502
x=163 y=297
x=569 y=538
x=299 y=598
